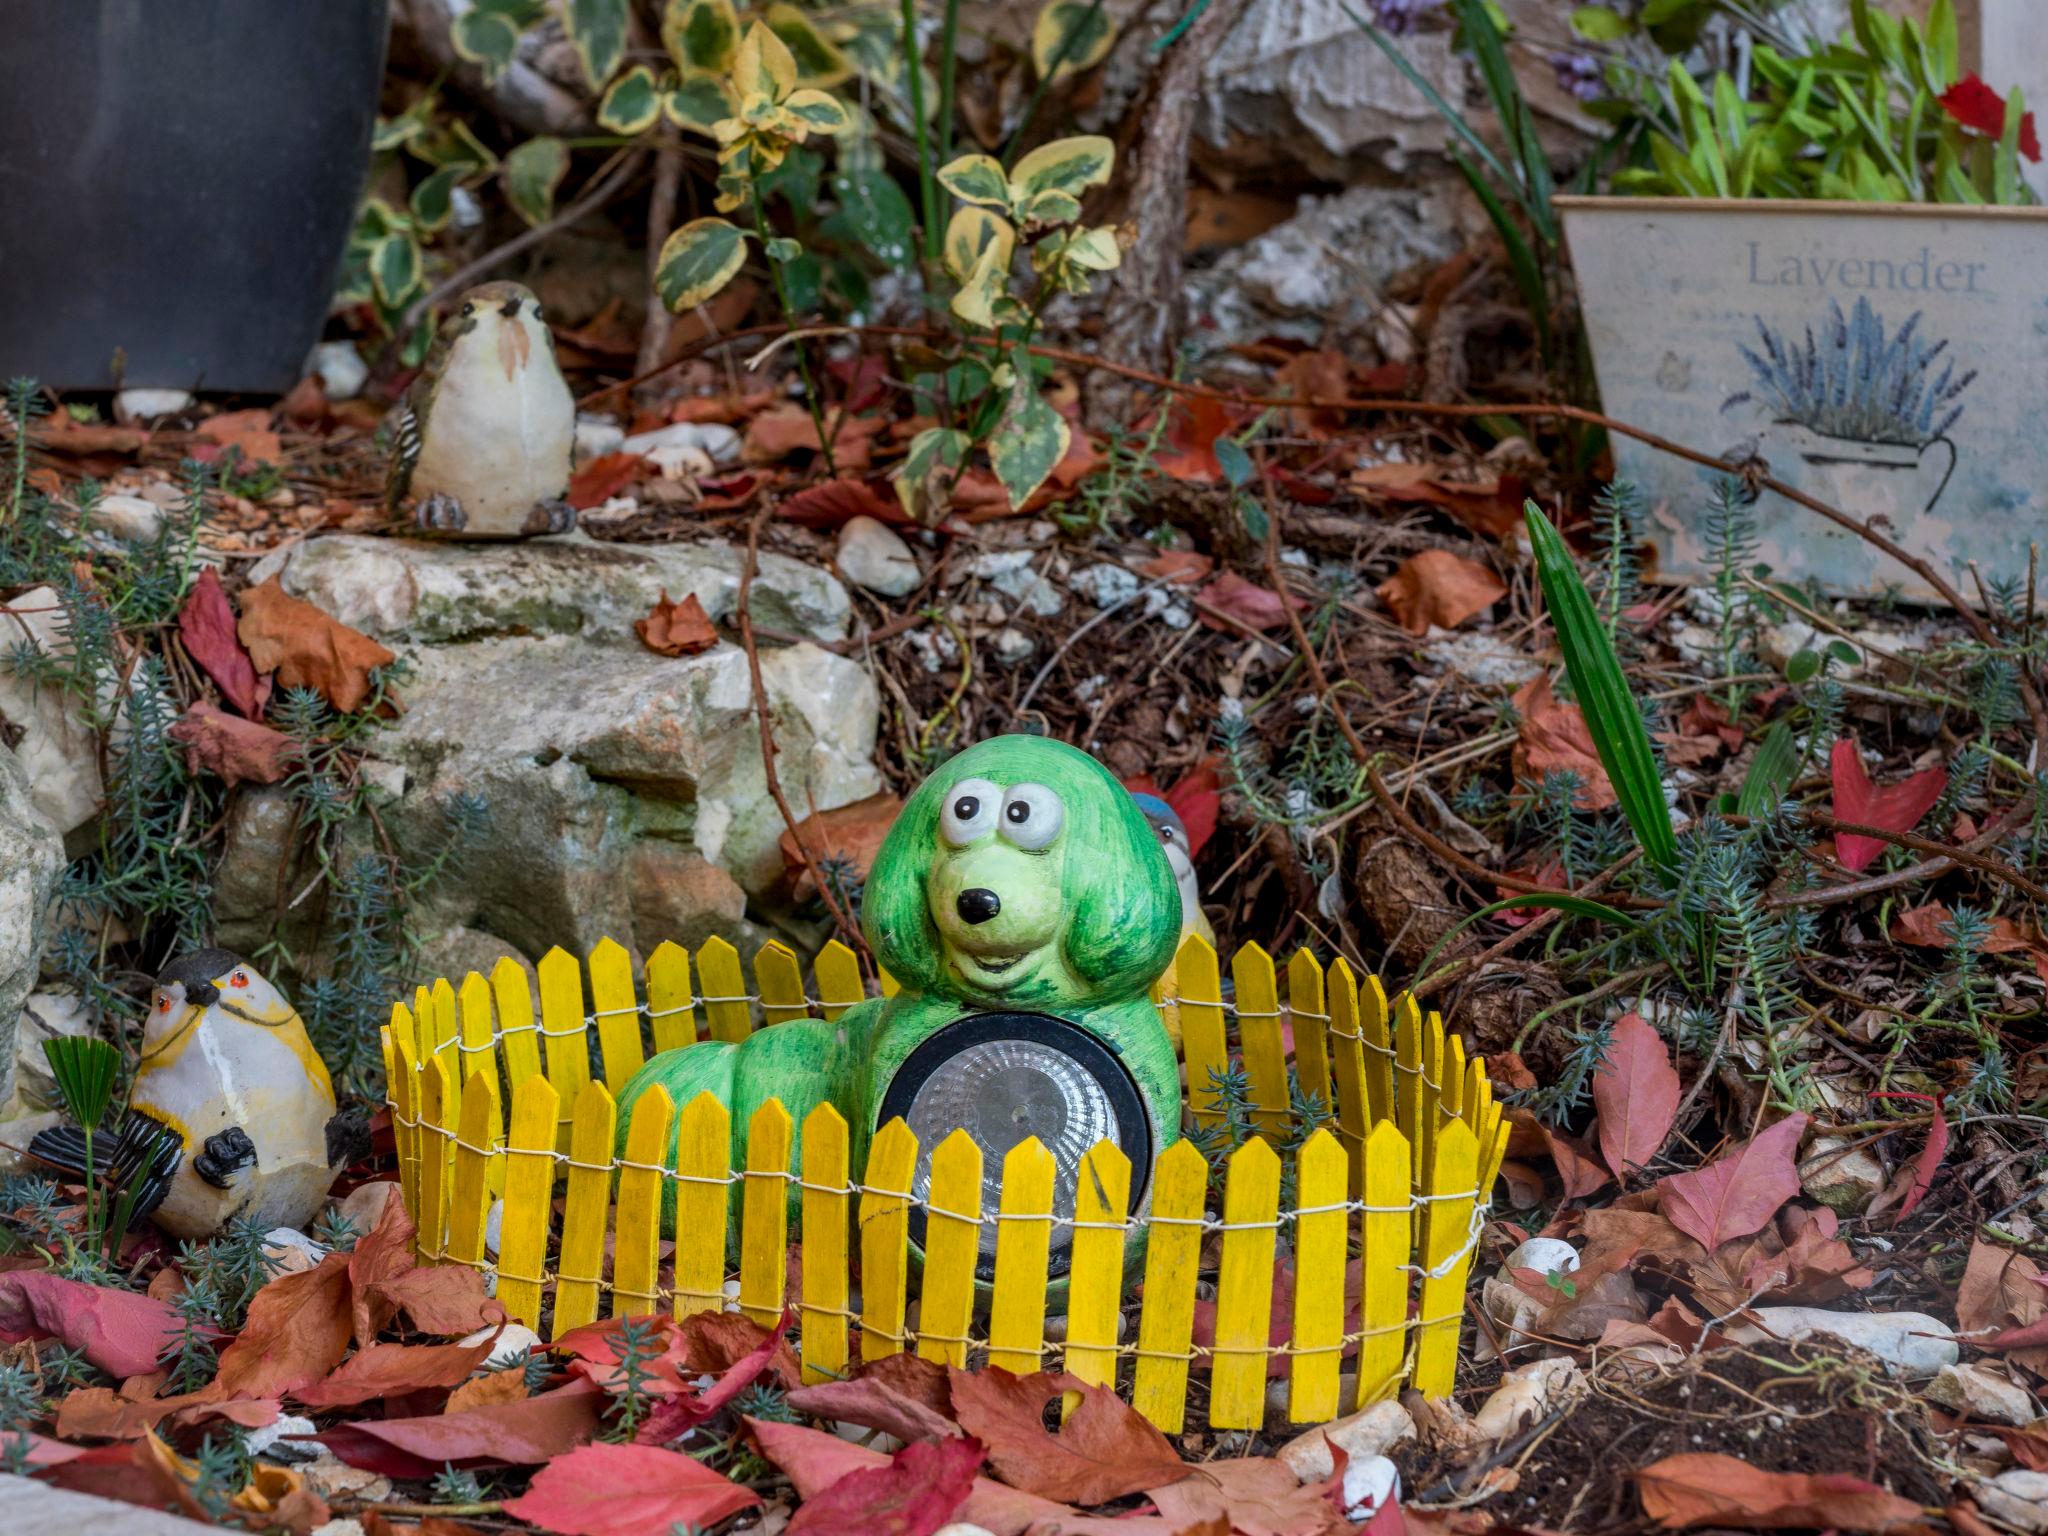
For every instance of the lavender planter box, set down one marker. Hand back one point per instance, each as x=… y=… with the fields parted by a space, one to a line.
x=1889 y=359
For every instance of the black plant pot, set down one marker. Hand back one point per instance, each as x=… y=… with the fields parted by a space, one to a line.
x=177 y=182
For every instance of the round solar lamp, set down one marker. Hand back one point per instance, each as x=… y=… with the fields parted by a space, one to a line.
x=1005 y=1076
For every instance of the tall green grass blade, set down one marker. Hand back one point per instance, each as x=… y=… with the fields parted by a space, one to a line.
x=84 y=1067
x=1770 y=772
x=1612 y=717
x=1561 y=901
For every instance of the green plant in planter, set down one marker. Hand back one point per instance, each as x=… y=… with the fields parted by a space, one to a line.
x=1025 y=907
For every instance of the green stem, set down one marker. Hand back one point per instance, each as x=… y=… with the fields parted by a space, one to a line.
x=949 y=31
x=803 y=354
x=927 y=178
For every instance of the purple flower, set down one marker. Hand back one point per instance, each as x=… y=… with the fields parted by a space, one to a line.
x=1398 y=17
x=1579 y=74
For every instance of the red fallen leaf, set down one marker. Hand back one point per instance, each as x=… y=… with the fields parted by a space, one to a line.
x=1929 y=1161
x=1436 y=587
x=1896 y=808
x=874 y=1403
x=864 y=378
x=672 y=1415
x=1703 y=1488
x=835 y=503
x=1197 y=798
x=1251 y=1495
x=306 y=648
x=1554 y=739
x=1310 y=493
x=1182 y=567
x=1977 y=106
x=676 y=629
x=233 y=750
x=787 y=428
x=1187 y=449
x=1924 y=925
x=606 y=476
x=296 y=1333
x=718 y=1341
x=915 y=1494
x=1253 y=606
x=625 y=1490
x=1740 y=1190
x=385 y=1278
x=250 y=431
x=1577 y=1169
x=1707 y=717
x=122 y=1333
x=487 y=1391
x=386 y=1370
x=1490 y=506
x=595 y=1349
x=1105 y=1450
x=207 y=625
x=1636 y=1091
x=852 y=833
x=522 y=1434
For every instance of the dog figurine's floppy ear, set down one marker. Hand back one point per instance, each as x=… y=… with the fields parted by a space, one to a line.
x=894 y=911
x=1123 y=906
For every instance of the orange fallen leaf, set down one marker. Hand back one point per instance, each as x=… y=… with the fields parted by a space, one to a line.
x=308 y=649
x=486 y=1390
x=1179 y=566
x=852 y=834
x=677 y=629
x=1436 y=587
x=1925 y=926
x=1554 y=739
x=250 y=431
x=1704 y=1488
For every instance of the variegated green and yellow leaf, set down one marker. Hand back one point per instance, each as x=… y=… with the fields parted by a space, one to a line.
x=819 y=61
x=597 y=29
x=987 y=284
x=1031 y=438
x=972 y=231
x=819 y=111
x=701 y=35
x=697 y=261
x=935 y=453
x=698 y=104
x=395 y=268
x=1051 y=207
x=763 y=66
x=486 y=38
x=633 y=104
x=977 y=179
x=1065 y=165
x=433 y=200
x=1076 y=33
x=532 y=173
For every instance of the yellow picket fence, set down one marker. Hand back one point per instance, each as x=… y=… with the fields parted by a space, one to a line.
x=1396 y=1181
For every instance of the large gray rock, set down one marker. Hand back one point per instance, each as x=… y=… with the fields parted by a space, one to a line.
x=56 y=749
x=44 y=1016
x=31 y=857
x=424 y=591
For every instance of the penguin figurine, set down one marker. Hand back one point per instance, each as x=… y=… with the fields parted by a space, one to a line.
x=485 y=437
x=231 y=1113
x=1173 y=837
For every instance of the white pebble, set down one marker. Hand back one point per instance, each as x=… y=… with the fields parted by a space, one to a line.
x=714 y=440
x=1545 y=1255
x=596 y=437
x=341 y=368
x=1368 y=1483
x=148 y=404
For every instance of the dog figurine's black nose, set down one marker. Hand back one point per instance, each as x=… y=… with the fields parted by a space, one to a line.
x=978 y=905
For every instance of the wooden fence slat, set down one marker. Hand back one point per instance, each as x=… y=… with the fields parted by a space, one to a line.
x=636 y=1238
x=1173 y=1251
x=837 y=970
x=403 y=1083
x=1322 y=1174
x=1451 y=1103
x=616 y=1008
x=529 y=1197
x=1307 y=1015
x=1095 y=1281
x=1446 y=1229
x=1348 y=1068
x=1379 y=1048
x=1386 y=1239
x=723 y=990
x=1244 y=1288
x=1429 y=1090
x=671 y=1006
x=1203 y=1044
x=703 y=1202
x=1258 y=1033
x=1407 y=1032
x=1493 y=1148
x=562 y=1026
x=592 y=1133
x=447 y=1031
x=885 y=1239
x=477 y=1028
x=827 y=1212
x=764 y=1214
x=517 y=1037
x=477 y=1172
x=780 y=980
x=1016 y=1317
x=952 y=1248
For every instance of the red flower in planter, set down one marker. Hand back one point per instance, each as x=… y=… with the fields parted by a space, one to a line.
x=1975 y=105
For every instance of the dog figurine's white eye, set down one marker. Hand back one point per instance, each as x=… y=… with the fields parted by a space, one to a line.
x=970 y=811
x=1032 y=815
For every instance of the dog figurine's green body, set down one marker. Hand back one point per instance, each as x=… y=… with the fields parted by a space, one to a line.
x=1020 y=878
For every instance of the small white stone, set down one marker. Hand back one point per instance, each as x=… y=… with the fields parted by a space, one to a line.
x=515 y=1341
x=340 y=1525
x=341 y=368
x=716 y=441
x=1545 y=1255
x=494 y=1225
x=596 y=437
x=1841 y=1174
x=1104 y=584
x=1909 y=1343
x=1370 y=1432
x=2018 y=1497
x=262 y=1438
x=870 y=554
x=1526 y=1394
x=1983 y=1393
x=148 y=404
x=465 y=208
x=387 y=779
x=1012 y=645
x=292 y=1249
x=131 y=519
x=1368 y=1483
x=963 y=1528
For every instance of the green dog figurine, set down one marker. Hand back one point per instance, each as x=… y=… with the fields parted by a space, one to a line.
x=1025 y=906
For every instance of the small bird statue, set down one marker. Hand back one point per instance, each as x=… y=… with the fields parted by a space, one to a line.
x=231 y=1113
x=1173 y=837
x=485 y=438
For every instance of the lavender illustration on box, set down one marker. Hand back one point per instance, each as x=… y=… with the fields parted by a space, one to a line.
x=1872 y=414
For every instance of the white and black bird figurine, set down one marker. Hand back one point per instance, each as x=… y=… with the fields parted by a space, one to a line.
x=231 y=1113
x=485 y=437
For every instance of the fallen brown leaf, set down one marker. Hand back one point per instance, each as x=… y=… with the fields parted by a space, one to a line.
x=232 y=749
x=1554 y=739
x=1704 y=1488
x=250 y=431
x=1105 y=1450
x=677 y=629
x=1436 y=587
x=851 y=834
x=308 y=649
